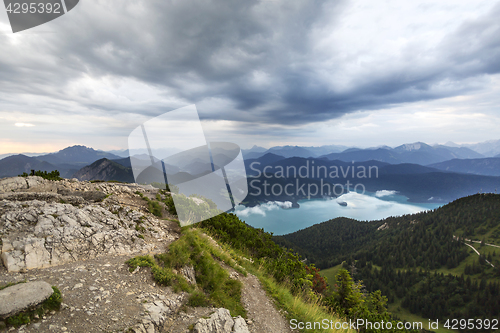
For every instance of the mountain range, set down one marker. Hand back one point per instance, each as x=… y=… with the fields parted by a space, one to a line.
x=17 y=164
x=417 y=152
x=479 y=166
x=67 y=161
x=488 y=148
x=422 y=172
x=419 y=183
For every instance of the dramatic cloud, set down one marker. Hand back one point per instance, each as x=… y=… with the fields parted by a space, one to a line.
x=259 y=66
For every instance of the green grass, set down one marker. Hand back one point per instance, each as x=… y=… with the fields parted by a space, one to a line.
x=155 y=208
x=490 y=235
x=459 y=270
x=295 y=305
x=214 y=286
x=486 y=249
x=473 y=257
x=330 y=273
x=403 y=314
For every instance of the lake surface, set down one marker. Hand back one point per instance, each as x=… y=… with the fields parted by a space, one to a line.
x=278 y=218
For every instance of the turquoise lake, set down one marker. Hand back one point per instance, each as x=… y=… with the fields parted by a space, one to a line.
x=277 y=218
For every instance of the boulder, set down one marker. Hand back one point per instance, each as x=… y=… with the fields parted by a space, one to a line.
x=221 y=322
x=240 y=325
x=34 y=181
x=13 y=184
x=23 y=296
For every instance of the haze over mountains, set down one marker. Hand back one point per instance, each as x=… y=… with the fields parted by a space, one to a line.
x=419 y=153
x=478 y=166
x=417 y=170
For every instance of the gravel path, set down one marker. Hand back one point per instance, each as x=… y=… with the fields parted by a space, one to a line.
x=99 y=295
x=260 y=310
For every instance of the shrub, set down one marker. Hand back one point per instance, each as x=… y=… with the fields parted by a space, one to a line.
x=198 y=298
x=169 y=201
x=154 y=208
x=53 y=175
x=282 y=264
x=54 y=301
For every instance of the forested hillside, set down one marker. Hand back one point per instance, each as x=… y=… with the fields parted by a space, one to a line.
x=420 y=260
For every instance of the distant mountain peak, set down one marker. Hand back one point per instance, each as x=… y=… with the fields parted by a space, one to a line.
x=412 y=146
x=76 y=148
x=104 y=169
x=450 y=144
x=76 y=156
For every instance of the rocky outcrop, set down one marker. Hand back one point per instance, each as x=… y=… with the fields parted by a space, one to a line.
x=38 y=234
x=23 y=296
x=41 y=228
x=383 y=226
x=13 y=184
x=156 y=312
x=221 y=322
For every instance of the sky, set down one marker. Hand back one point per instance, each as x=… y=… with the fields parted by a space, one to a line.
x=300 y=72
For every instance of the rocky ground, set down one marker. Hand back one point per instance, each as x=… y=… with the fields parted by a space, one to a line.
x=78 y=235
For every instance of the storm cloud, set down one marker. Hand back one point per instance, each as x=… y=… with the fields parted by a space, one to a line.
x=287 y=63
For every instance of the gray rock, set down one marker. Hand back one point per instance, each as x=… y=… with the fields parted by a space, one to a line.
x=38 y=234
x=240 y=325
x=22 y=296
x=56 y=222
x=221 y=322
x=44 y=196
x=14 y=183
x=93 y=196
x=34 y=181
x=189 y=273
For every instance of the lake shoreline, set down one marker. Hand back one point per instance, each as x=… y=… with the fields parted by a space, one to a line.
x=281 y=217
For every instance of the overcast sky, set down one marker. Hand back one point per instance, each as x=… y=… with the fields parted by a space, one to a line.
x=357 y=73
